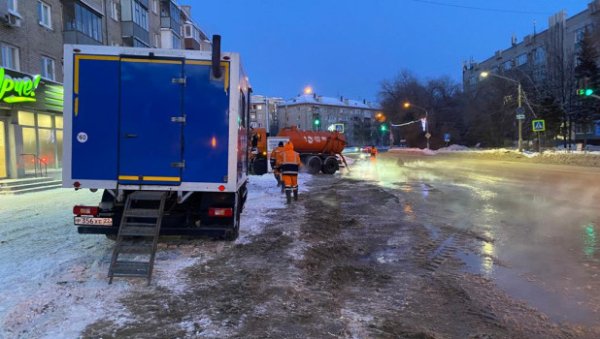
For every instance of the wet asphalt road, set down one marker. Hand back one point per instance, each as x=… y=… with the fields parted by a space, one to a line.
x=539 y=223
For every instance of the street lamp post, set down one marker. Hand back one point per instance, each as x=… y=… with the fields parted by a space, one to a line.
x=519 y=103
x=427 y=135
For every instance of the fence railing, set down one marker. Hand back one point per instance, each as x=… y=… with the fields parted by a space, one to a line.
x=40 y=165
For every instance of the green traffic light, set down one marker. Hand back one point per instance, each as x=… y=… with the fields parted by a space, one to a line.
x=317 y=122
x=585 y=92
x=383 y=128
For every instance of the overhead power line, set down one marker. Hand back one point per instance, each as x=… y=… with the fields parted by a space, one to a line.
x=486 y=9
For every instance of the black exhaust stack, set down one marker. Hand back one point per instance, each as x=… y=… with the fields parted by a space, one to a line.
x=216 y=56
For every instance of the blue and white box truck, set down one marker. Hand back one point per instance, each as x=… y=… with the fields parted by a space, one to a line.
x=173 y=122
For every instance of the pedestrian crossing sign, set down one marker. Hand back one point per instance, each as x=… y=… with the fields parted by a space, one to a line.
x=539 y=125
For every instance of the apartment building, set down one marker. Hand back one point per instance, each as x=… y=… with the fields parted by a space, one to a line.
x=317 y=113
x=263 y=112
x=544 y=60
x=32 y=34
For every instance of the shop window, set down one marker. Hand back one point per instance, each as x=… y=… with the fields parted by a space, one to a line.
x=29 y=147
x=26 y=118
x=58 y=122
x=59 y=144
x=3 y=171
x=45 y=14
x=10 y=56
x=44 y=120
x=47 y=142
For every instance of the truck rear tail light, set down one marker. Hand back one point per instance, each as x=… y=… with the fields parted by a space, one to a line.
x=220 y=212
x=86 y=210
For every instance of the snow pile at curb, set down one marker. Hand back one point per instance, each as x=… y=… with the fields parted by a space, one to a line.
x=552 y=156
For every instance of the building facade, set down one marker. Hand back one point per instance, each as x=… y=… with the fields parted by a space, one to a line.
x=544 y=61
x=356 y=119
x=32 y=34
x=30 y=72
x=264 y=112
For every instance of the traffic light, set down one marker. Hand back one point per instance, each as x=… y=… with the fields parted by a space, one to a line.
x=317 y=121
x=585 y=92
x=383 y=128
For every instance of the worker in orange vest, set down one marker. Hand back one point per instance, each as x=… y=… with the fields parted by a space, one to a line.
x=373 y=150
x=275 y=166
x=289 y=164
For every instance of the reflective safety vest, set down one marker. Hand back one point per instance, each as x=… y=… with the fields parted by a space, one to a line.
x=289 y=162
x=275 y=155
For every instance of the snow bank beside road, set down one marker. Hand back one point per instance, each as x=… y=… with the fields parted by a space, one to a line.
x=577 y=158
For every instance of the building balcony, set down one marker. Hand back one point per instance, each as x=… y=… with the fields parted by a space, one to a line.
x=77 y=37
x=132 y=31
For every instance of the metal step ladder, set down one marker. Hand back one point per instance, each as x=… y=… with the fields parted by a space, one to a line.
x=135 y=249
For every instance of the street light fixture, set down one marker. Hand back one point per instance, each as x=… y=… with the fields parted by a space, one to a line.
x=520 y=111
x=308 y=90
x=427 y=135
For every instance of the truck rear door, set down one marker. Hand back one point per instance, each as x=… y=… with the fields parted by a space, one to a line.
x=151 y=121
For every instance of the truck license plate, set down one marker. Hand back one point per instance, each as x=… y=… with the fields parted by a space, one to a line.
x=93 y=221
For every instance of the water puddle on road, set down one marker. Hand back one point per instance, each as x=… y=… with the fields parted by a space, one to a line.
x=558 y=307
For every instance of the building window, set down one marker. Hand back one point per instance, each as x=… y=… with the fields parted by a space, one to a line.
x=48 y=68
x=13 y=6
x=521 y=59
x=539 y=56
x=140 y=15
x=176 y=42
x=579 y=33
x=507 y=65
x=138 y=43
x=10 y=56
x=87 y=22
x=114 y=10
x=155 y=6
x=44 y=14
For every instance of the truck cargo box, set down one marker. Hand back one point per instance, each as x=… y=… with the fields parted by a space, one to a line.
x=153 y=119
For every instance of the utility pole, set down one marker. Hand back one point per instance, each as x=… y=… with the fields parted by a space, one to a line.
x=520 y=121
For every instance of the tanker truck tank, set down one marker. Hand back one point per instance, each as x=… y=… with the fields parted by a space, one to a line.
x=317 y=149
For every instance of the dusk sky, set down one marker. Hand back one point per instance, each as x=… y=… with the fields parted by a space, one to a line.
x=347 y=47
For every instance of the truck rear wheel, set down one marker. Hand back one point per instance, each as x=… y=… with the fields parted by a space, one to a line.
x=330 y=166
x=313 y=164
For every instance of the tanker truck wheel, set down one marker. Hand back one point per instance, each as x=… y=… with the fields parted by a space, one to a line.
x=330 y=166
x=313 y=164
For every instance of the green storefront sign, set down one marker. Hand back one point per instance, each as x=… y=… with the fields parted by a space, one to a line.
x=13 y=90
x=31 y=90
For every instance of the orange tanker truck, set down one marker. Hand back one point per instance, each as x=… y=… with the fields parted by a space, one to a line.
x=318 y=149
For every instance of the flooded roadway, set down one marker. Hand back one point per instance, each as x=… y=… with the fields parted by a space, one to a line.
x=537 y=225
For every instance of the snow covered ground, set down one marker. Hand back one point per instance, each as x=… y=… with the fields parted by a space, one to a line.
x=53 y=281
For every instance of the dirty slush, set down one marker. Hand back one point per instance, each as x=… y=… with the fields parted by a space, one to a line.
x=361 y=269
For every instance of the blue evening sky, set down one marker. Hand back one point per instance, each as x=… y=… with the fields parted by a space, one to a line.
x=347 y=47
